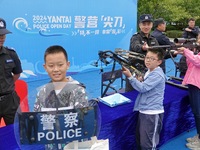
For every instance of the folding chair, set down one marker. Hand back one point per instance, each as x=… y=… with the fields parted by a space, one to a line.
x=107 y=80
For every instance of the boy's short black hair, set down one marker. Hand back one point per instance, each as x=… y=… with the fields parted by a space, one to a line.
x=159 y=52
x=55 y=49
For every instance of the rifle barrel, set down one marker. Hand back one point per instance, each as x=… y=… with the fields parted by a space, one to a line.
x=174 y=47
x=160 y=47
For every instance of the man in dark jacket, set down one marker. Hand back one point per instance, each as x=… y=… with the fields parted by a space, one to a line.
x=191 y=31
x=158 y=33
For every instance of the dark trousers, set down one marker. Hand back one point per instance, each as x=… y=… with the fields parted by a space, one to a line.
x=148 y=131
x=8 y=107
x=194 y=96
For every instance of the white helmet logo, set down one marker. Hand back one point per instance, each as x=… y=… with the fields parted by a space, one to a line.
x=1 y=24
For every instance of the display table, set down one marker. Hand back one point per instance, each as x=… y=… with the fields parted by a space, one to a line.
x=118 y=123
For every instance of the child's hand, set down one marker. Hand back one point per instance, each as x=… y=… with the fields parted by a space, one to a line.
x=175 y=53
x=140 y=78
x=126 y=72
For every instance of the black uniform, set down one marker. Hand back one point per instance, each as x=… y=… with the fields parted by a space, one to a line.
x=192 y=34
x=136 y=43
x=162 y=40
x=9 y=100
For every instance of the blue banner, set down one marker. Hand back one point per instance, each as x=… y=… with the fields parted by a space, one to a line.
x=81 y=27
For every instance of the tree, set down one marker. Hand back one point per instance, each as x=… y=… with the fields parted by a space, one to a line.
x=176 y=11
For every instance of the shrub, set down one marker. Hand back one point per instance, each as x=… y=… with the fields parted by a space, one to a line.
x=174 y=33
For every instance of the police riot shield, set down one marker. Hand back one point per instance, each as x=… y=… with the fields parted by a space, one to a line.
x=58 y=117
x=59 y=126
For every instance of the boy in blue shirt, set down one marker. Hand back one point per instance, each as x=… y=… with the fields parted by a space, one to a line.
x=149 y=101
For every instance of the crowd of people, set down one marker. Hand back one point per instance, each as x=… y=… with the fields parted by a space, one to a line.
x=64 y=91
x=150 y=108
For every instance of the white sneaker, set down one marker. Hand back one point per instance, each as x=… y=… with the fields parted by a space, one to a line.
x=192 y=139
x=194 y=145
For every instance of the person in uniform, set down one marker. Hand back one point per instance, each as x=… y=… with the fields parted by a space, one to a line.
x=158 y=33
x=10 y=69
x=191 y=31
x=140 y=43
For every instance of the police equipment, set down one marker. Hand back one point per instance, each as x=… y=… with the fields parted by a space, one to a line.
x=184 y=40
x=121 y=56
x=118 y=56
x=61 y=126
x=180 y=42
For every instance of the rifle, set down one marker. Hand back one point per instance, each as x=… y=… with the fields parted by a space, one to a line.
x=180 y=42
x=184 y=40
x=192 y=47
x=127 y=54
x=118 y=56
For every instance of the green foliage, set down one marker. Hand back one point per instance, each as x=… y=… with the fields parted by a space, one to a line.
x=174 y=33
x=171 y=27
x=176 y=26
x=173 y=11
